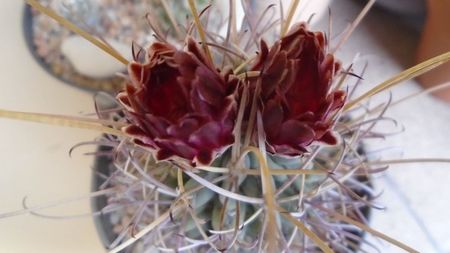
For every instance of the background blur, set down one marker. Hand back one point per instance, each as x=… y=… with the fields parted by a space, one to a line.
x=35 y=161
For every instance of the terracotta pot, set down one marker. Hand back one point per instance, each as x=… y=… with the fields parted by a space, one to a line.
x=436 y=40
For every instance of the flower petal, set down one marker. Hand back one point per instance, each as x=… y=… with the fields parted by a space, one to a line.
x=204 y=157
x=179 y=104
x=296 y=133
x=183 y=129
x=273 y=116
x=329 y=138
x=207 y=136
x=139 y=134
x=176 y=147
x=210 y=88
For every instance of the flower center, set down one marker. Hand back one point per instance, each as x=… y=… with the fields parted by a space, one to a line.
x=165 y=96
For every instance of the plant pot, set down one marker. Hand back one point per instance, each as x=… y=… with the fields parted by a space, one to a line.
x=63 y=70
x=103 y=221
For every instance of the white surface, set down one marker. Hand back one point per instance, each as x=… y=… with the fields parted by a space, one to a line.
x=89 y=60
x=35 y=161
x=34 y=158
x=416 y=196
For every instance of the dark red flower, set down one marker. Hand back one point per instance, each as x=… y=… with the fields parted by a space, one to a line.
x=179 y=104
x=297 y=104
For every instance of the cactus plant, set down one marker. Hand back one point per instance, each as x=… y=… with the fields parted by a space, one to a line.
x=216 y=149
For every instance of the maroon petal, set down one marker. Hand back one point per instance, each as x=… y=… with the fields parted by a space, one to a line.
x=176 y=147
x=289 y=150
x=139 y=134
x=154 y=125
x=275 y=74
x=207 y=136
x=338 y=98
x=295 y=132
x=187 y=65
x=142 y=143
x=329 y=138
x=164 y=154
x=262 y=57
x=273 y=116
x=185 y=128
x=306 y=117
x=179 y=105
x=209 y=88
x=228 y=113
x=204 y=157
x=199 y=105
x=138 y=73
x=123 y=99
x=160 y=48
x=297 y=73
x=333 y=102
x=196 y=51
x=134 y=131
